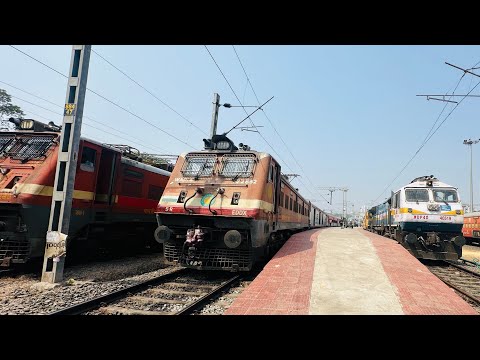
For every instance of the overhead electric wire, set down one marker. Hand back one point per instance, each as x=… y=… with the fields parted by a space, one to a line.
x=248 y=116
x=86 y=124
x=96 y=121
x=57 y=105
x=427 y=139
x=445 y=106
x=108 y=100
x=148 y=91
x=273 y=126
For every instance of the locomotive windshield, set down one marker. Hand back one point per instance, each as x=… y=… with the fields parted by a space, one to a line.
x=449 y=195
x=229 y=165
x=199 y=165
x=416 y=195
x=237 y=165
x=25 y=147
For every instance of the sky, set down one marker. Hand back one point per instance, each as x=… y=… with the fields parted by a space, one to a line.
x=349 y=115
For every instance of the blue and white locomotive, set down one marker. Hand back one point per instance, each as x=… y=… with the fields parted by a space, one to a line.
x=425 y=216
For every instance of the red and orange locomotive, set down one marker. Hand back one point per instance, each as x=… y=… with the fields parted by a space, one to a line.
x=113 y=201
x=471 y=227
x=225 y=207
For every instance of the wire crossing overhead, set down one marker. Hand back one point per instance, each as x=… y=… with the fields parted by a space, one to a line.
x=274 y=128
x=141 y=143
x=248 y=117
x=110 y=101
x=148 y=91
x=430 y=133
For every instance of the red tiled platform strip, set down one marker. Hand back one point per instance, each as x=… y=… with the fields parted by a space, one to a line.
x=284 y=285
x=420 y=292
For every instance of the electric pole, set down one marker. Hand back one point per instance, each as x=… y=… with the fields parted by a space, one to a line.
x=332 y=189
x=470 y=143
x=216 y=105
x=60 y=210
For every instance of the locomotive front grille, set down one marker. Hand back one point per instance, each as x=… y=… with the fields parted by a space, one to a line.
x=13 y=247
x=212 y=258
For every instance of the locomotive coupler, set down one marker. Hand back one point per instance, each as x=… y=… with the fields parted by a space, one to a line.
x=194 y=238
x=432 y=238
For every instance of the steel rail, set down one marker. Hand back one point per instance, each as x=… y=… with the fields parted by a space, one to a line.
x=207 y=297
x=115 y=295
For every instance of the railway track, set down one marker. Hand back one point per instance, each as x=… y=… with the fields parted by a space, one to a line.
x=464 y=281
x=177 y=293
x=6 y=272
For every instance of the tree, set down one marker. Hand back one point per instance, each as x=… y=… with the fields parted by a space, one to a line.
x=7 y=109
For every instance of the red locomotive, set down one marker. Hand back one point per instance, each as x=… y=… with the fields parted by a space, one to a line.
x=114 y=196
x=226 y=207
x=471 y=227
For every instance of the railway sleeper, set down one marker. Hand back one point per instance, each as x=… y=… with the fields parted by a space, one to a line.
x=176 y=292
x=145 y=299
x=117 y=310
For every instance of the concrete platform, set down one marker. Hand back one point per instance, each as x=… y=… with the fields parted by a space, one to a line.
x=346 y=271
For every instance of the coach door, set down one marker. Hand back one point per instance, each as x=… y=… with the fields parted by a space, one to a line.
x=106 y=177
x=276 y=191
x=87 y=170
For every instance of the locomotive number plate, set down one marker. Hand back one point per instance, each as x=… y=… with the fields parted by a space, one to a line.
x=5 y=197
x=445 y=218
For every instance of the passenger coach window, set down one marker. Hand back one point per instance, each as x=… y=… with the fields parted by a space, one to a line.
x=414 y=195
x=88 y=159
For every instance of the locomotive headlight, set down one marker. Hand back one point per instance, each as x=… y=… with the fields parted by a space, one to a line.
x=235 y=198
x=458 y=212
x=26 y=124
x=232 y=239
x=433 y=207
x=223 y=145
x=410 y=210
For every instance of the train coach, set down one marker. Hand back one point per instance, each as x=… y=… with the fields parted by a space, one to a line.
x=425 y=216
x=114 y=195
x=226 y=207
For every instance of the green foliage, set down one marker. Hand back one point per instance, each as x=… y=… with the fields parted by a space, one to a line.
x=6 y=106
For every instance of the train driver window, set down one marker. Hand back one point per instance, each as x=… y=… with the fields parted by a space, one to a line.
x=270 y=173
x=88 y=159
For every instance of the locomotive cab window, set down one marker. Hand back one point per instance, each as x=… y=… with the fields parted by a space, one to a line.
x=416 y=195
x=448 y=195
x=237 y=166
x=199 y=165
x=271 y=169
x=88 y=159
